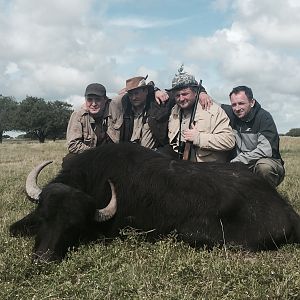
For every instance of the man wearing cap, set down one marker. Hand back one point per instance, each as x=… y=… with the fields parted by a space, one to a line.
x=210 y=134
x=135 y=115
x=87 y=126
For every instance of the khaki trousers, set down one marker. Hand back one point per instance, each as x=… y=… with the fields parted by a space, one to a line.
x=271 y=169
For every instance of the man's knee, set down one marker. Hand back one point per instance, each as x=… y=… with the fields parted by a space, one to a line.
x=270 y=169
x=262 y=168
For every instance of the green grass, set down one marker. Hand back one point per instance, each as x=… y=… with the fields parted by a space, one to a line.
x=131 y=268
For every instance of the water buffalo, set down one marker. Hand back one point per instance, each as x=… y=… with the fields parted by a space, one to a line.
x=106 y=189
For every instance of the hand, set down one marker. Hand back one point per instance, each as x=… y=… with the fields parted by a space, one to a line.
x=205 y=100
x=161 y=96
x=190 y=134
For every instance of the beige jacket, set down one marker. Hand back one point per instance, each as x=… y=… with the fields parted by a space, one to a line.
x=115 y=119
x=80 y=131
x=215 y=136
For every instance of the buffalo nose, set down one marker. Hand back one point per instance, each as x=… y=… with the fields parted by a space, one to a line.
x=40 y=257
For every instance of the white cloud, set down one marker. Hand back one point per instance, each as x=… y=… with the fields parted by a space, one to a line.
x=250 y=53
x=53 y=12
x=274 y=23
x=11 y=68
x=75 y=100
x=142 y=23
x=294 y=3
x=55 y=48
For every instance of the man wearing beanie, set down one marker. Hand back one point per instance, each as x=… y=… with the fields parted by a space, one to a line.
x=209 y=133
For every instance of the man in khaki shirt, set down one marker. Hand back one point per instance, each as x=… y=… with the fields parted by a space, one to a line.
x=210 y=133
x=87 y=126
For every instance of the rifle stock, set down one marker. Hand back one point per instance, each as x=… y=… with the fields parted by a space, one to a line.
x=187 y=151
x=188 y=144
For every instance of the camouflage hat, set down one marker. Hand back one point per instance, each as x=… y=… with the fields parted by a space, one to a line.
x=182 y=80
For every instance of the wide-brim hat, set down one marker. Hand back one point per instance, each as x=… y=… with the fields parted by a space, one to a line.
x=136 y=83
x=182 y=80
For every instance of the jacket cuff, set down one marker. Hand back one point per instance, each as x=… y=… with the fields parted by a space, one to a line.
x=196 y=142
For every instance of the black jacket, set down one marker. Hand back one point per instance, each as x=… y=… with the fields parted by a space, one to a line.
x=256 y=136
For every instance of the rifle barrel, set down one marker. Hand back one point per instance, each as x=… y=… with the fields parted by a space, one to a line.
x=188 y=144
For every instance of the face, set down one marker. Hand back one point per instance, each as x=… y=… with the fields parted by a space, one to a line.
x=95 y=104
x=240 y=104
x=65 y=216
x=185 y=98
x=138 y=97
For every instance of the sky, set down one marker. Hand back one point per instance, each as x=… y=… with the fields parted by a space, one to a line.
x=54 y=49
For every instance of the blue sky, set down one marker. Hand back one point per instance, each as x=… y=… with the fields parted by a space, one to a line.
x=53 y=49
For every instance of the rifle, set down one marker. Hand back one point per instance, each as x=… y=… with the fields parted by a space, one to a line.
x=188 y=144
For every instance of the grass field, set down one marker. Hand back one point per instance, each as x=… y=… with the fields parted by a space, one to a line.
x=133 y=268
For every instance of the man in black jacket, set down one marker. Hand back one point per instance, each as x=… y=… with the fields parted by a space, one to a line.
x=257 y=139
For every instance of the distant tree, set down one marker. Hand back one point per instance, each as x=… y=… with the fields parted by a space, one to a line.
x=8 y=109
x=60 y=115
x=293 y=132
x=43 y=119
x=33 y=114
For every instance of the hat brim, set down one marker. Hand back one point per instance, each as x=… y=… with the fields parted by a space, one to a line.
x=181 y=87
x=95 y=92
x=124 y=90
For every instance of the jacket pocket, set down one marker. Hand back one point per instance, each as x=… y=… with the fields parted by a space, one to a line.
x=202 y=125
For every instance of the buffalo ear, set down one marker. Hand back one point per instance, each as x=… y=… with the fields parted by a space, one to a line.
x=28 y=226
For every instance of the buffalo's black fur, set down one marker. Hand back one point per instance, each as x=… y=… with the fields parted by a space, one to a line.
x=204 y=203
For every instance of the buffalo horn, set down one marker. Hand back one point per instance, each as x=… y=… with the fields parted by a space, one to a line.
x=32 y=189
x=109 y=211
